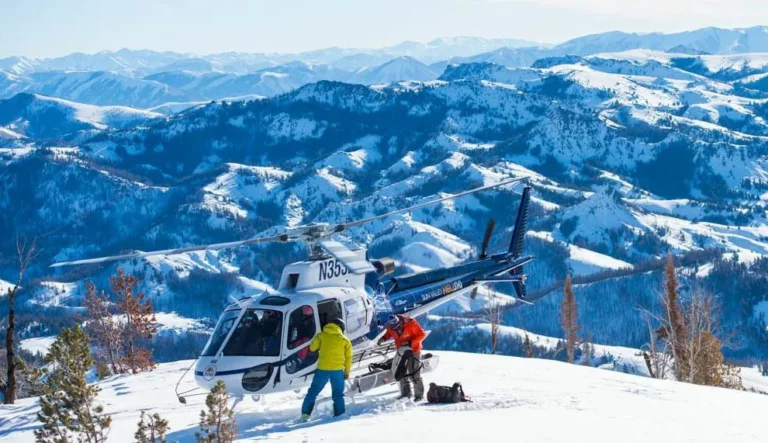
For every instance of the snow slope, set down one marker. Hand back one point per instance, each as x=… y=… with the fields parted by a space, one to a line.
x=37 y=345
x=4 y=287
x=621 y=358
x=35 y=115
x=511 y=396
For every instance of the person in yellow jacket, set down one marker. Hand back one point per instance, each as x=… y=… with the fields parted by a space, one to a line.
x=334 y=364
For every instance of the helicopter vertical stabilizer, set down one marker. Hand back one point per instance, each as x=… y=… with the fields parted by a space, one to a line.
x=521 y=224
x=518 y=238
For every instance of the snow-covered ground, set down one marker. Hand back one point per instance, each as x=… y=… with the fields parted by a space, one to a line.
x=583 y=261
x=4 y=287
x=37 y=345
x=753 y=379
x=520 y=399
x=173 y=322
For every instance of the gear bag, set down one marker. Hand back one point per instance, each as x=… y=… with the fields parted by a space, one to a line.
x=378 y=367
x=446 y=394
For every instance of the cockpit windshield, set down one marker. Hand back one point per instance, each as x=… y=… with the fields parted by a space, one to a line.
x=225 y=325
x=257 y=334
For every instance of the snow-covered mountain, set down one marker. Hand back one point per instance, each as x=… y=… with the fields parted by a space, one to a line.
x=147 y=79
x=699 y=42
x=95 y=87
x=140 y=63
x=194 y=81
x=708 y=40
x=39 y=117
x=399 y=69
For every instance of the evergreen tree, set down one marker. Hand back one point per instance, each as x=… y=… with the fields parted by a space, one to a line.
x=67 y=406
x=218 y=424
x=152 y=429
x=569 y=320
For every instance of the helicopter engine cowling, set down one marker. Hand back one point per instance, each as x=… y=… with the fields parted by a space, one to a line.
x=384 y=266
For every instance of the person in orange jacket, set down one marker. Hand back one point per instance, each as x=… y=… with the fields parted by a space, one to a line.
x=408 y=335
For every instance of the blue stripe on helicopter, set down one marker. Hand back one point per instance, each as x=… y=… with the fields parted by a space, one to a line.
x=220 y=373
x=410 y=298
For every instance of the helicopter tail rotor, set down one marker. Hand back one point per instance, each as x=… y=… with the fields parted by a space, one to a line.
x=487 y=239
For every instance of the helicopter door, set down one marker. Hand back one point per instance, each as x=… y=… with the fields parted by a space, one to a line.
x=302 y=327
x=329 y=310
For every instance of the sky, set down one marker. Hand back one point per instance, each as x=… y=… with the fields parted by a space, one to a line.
x=46 y=28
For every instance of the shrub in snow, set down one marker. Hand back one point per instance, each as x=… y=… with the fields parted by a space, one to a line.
x=217 y=425
x=152 y=429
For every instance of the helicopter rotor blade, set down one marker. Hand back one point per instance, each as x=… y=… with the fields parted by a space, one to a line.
x=341 y=227
x=141 y=254
x=352 y=261
x=487 y=239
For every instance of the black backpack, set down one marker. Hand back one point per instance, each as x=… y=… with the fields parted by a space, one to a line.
x=446 y=394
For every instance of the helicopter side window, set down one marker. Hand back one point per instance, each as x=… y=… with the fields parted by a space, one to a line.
x=257 y=334
x=354 y=309
x=225 y=325
x=329 y=310
x=301 y=326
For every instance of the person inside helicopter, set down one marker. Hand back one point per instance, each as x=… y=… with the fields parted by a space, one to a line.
x=270 y=330
x=247 y=339
x=257 y=334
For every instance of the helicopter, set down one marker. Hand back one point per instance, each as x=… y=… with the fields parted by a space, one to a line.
x=260 y=344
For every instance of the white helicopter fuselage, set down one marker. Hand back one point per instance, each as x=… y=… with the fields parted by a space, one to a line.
x=260 y=344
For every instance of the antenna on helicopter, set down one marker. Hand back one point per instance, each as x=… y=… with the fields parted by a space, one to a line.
x=316 y=234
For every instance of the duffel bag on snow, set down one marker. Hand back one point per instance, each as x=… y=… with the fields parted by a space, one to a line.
x=446 y=394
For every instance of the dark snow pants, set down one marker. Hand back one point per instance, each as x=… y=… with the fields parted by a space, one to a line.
x=413 y=368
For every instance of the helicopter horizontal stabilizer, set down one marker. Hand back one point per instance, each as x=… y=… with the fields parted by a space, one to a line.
x=356 y=264
x=498 y=280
